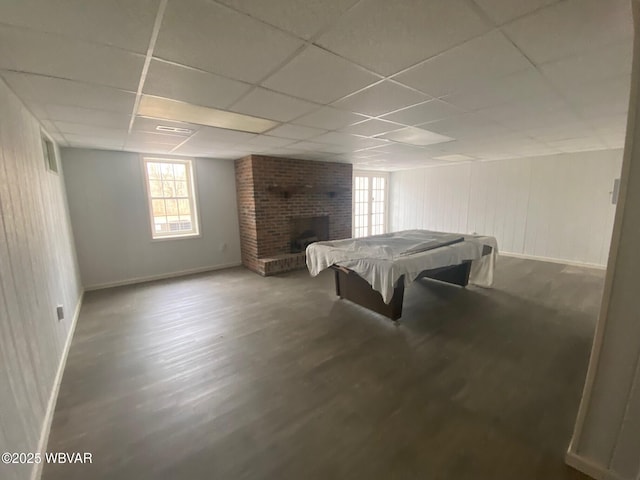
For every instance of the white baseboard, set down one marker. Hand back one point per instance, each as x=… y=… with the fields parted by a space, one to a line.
x=161 y=276
x=53 y=398
x=554 y=260
x=588 y=467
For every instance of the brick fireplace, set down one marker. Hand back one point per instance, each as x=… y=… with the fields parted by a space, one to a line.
x=284 y=203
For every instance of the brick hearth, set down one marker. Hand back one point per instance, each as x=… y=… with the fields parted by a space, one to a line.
x=272 y=191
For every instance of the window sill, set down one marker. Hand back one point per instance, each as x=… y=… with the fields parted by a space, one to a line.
x=177 y=237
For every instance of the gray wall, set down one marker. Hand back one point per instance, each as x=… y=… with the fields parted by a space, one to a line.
x=556 y=207
x=606 y=441
x=37 y=271
x=110 y=218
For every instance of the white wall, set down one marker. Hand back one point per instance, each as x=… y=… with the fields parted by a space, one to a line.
x=606 y=440
x=554 y=207
x=38 y=271
x=110 y=218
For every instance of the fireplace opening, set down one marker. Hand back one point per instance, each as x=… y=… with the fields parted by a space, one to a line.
x=306 y=230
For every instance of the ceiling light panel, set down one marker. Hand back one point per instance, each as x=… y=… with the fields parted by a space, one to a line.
x=165 y=108
x=416 y=136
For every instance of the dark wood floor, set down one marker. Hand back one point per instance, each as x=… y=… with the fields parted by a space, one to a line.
x=229 y=375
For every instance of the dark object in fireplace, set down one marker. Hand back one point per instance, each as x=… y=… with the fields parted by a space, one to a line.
x=301 y=243
x=306 y=230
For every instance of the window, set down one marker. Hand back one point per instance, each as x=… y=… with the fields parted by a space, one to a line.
x=172 y=204
x=369 y=203
x=49 y=151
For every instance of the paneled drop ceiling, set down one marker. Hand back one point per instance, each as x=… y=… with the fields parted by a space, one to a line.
x=339 y=80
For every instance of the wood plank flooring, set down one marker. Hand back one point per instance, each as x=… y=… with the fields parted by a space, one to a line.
x=229 y=375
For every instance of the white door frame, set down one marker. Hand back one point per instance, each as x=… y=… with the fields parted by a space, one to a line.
x=370 y=174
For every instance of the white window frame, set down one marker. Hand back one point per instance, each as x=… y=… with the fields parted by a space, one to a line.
x=370 y=175
x=191 y=193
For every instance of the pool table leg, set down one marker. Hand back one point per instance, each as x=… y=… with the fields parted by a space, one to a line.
x=350 y=286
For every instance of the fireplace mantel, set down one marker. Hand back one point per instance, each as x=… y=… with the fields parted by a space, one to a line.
x=288 y=190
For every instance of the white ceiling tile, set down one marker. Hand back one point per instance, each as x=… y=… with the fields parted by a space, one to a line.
x=303 y=19
x=313 y=74
x=371 y=127
x=554 y=133
x=424 y=112
x=468 y=125
x=272 y=105
x=352 y=141
x=124 y=24
x=594 y=65
x=318 y=147
x=206 y=35
x=501 y=11
x=329 y=118
x=607 y=97
x=296 y=132
x=528 y=83
x=389 y=36
x=578 y=144
x=571 y=27
x=68 y=93
x=192 y=86
x=220 y=135
x=89 y=130
x=382 y=98
x=490 y=56
x=109 y=142
x=269 y=141
x=531 y=112
x=35 y=52
x=138 y=137
x=87 y=116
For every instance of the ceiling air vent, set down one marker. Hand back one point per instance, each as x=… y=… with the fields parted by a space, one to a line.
x=176 y=130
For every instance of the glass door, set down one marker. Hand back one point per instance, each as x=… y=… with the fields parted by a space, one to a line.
x=369 y=203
